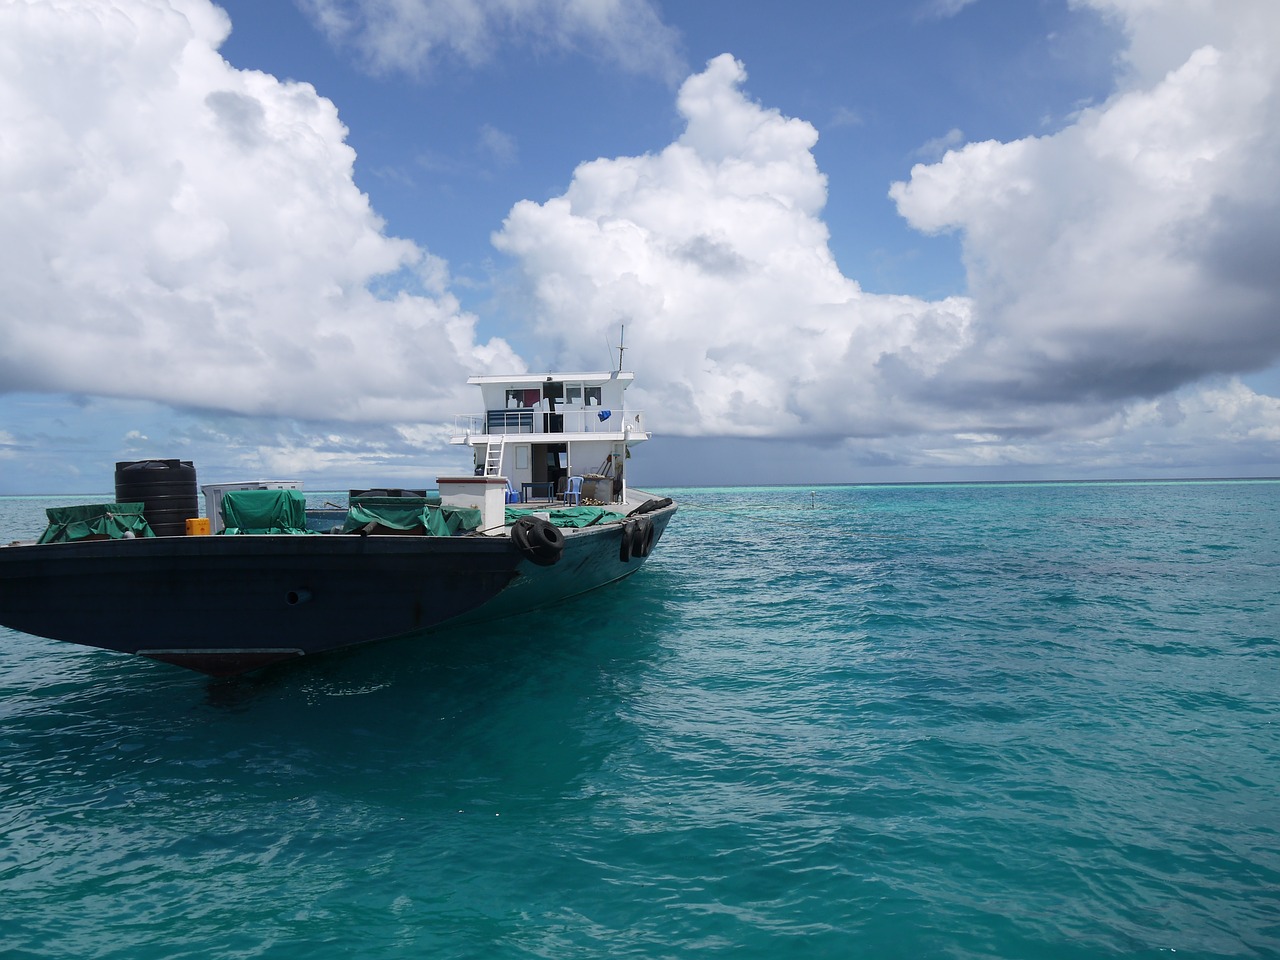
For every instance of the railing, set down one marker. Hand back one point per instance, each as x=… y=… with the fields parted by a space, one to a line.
x=526 y=420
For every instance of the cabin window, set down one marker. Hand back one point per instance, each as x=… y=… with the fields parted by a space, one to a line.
x=577 y=394
x=517 y=399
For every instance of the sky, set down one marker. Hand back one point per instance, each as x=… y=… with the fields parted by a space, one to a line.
x=884 y=240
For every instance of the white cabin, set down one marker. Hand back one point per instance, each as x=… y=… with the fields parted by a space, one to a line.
x=540 y=430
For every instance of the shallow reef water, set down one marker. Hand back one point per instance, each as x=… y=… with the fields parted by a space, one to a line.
x=964 y=721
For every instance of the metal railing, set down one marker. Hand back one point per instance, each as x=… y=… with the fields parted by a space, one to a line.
x=526 y=420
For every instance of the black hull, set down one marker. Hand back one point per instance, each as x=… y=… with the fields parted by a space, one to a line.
x=225 y=605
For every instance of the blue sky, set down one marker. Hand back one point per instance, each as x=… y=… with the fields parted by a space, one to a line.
x=444 y=152
x=934 y=240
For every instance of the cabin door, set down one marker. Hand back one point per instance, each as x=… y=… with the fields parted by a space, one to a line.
x=550 y=463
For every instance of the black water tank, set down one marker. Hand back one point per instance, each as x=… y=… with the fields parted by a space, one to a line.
x=166 y=489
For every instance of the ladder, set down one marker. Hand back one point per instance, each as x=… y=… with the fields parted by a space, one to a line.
x=493 y=459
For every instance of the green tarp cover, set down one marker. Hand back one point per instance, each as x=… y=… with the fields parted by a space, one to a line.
x=410 y=515
x=264 y=511
x=100 y=520
x=568 y=516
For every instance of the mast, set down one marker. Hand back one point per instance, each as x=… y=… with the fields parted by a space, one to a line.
x=621 y=349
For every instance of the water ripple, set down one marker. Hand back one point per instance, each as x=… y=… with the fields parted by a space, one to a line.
x=960 y=721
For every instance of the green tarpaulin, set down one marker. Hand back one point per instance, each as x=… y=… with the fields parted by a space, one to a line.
x=568 y=516
x=410 y=515
x=264 y=511
x=95 y=521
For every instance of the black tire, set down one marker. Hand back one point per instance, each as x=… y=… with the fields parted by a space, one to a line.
x=641 y=537
x=650 y=505
x=646 y=537
x=539 y=541
x=624 y=546
x=546 y=536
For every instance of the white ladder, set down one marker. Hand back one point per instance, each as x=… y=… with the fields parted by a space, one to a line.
x=493 y=459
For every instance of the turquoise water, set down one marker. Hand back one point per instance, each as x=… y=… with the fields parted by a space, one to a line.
x=959 y=721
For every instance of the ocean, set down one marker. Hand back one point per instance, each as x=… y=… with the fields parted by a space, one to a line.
x=958 y=721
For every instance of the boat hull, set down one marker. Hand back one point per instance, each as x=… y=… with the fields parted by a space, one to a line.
x=226 y=605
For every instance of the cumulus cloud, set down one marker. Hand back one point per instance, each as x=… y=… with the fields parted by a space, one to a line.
x=714 y=252
x=1127 y=256
x=937 y=147
x=412 y=36
x=1220 y=426
x=179 y=230
x=1132 y=252
x=327 y=455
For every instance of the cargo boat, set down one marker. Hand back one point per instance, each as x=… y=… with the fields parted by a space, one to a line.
x=260 y=579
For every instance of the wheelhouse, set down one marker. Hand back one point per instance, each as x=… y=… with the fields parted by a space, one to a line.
x=552 y=433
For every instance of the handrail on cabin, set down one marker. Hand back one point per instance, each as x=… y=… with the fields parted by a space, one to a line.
x=526 y=420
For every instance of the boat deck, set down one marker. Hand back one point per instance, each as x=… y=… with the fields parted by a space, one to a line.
x=549 y=501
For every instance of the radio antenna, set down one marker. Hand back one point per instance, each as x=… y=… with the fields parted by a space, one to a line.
x=622 y=335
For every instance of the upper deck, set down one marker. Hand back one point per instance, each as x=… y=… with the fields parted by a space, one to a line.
x=544 y=407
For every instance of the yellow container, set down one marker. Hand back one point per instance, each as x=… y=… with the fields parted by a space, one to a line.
x=198 y=527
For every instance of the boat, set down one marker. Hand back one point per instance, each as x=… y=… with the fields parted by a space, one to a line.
x=544 y=512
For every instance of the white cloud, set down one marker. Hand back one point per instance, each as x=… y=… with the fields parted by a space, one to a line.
x=1163 y=34
x=934 y=149
x=942 y=9
x=179 y=230
x=498 y=146
x=413 y=36
x=844 y=117
x=1114 y=261
x=1125 y=257
x=714 y=254
x=330 y=455
x=1133 y=251
x=1220 y=427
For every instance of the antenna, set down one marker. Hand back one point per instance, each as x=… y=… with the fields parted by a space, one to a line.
x=622 y=335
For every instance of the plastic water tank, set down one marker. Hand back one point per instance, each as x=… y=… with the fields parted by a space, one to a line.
x=165 y=488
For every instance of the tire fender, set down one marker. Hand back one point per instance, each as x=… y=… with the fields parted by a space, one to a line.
x=539 y=541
